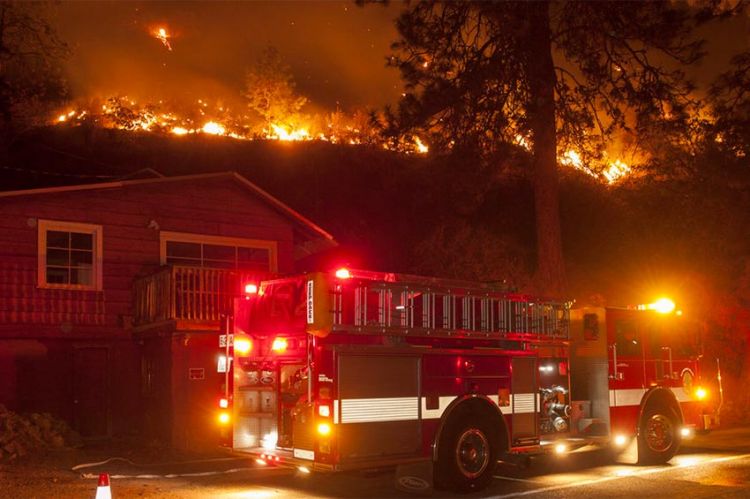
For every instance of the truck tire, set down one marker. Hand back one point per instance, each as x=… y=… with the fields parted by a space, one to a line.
x=658 y=435
x=467 y=455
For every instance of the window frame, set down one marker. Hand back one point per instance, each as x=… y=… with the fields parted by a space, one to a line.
x=187 y=237
x=96 y=231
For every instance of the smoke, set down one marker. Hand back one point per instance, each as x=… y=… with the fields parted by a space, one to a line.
x=336 y=50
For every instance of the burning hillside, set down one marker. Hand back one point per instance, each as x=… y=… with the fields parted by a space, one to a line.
x=127 y=114
x=123 y=113
x=272 y=109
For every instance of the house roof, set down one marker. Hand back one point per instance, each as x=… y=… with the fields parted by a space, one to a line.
x=268 y=198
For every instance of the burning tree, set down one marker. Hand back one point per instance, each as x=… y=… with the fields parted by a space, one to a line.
x=546 y=75
x=730 y=96
x=270 y=91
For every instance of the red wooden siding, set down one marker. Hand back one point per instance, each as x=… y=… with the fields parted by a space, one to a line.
x=217 y=207
x=54 y=341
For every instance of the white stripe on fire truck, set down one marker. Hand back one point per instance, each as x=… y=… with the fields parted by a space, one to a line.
x=406 y=408
x=633 y=396
x=524 y=404
x=379 y=409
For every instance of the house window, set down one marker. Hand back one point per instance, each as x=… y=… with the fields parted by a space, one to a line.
x=218 y=252
x=69 y=255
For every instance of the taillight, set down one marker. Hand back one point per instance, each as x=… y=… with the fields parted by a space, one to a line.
x=279 y=345
x=242 y=345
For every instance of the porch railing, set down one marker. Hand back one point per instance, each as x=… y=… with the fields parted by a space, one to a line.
x=187 y=293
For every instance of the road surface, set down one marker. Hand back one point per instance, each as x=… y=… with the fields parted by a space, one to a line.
x=717 y=465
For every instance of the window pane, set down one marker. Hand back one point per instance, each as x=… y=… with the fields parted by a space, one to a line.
x=59 y=257
x=81 y=275
x=57 y=275
x=192 y=262
x=254 y=255
x=79 y=240
x=627 y=338
x=183 y=250
x=215 y=252
x=219 y=264
x=57 y=239
x=81 y=258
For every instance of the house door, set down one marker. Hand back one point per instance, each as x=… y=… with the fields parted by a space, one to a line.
x=90 y=392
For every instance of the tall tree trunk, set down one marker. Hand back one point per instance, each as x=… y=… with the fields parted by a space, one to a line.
x=550 y=272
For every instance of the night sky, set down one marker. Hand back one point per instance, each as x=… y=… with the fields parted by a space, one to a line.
x=337 y=50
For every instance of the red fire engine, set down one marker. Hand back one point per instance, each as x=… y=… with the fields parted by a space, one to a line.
x=355 y=369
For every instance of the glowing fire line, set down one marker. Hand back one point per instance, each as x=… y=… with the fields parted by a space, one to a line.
x=126 y=114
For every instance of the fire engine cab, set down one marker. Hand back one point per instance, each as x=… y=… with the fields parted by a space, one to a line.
x=355 y=369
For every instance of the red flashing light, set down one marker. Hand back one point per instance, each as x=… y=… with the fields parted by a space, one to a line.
x=343 y=273
x=224 y=403
x=251 y=289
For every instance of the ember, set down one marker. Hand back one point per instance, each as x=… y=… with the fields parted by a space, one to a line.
x=162 y=35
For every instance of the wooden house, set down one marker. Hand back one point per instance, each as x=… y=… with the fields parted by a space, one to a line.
x=112 y=296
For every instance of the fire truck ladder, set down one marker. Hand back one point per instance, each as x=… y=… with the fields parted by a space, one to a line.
x=477 y=311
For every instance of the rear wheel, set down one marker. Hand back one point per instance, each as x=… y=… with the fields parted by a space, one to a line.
x=467 y=456
x=658 y=435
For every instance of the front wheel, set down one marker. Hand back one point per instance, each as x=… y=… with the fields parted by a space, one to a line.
x=468 y=454
x=658 y=436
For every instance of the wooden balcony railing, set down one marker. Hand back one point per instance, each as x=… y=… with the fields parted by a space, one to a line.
x=187 y=294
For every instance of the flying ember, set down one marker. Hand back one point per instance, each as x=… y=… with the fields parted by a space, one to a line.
x=162 y=35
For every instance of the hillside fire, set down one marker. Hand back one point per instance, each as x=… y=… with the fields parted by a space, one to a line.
x=123 y=113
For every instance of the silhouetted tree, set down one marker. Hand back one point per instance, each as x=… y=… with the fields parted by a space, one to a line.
x=730 y=97
x=547 y=75
x=31 y=77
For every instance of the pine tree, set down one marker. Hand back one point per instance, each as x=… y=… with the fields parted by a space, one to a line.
x=548 y=75
x=270 y=90
x=31 y=75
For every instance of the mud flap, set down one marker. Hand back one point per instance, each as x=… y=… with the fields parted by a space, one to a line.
x=415 y=478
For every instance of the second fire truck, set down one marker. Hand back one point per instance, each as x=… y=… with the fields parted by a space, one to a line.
x=354 y=369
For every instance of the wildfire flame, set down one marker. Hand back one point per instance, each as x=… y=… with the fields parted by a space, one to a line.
x=214 y=128
x=616 y=171
x=279 y=132
x=162 y=35
x=126 y=114
x=572 y=158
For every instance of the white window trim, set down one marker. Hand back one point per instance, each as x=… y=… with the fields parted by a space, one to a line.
x=186 y=237
x=46 y=225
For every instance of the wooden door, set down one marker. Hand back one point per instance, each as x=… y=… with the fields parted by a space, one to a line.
x=91 y=391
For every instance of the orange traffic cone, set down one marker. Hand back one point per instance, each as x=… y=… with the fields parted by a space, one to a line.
x=102 y=490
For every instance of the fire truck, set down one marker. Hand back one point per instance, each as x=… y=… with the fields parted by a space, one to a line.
x=354 y=369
